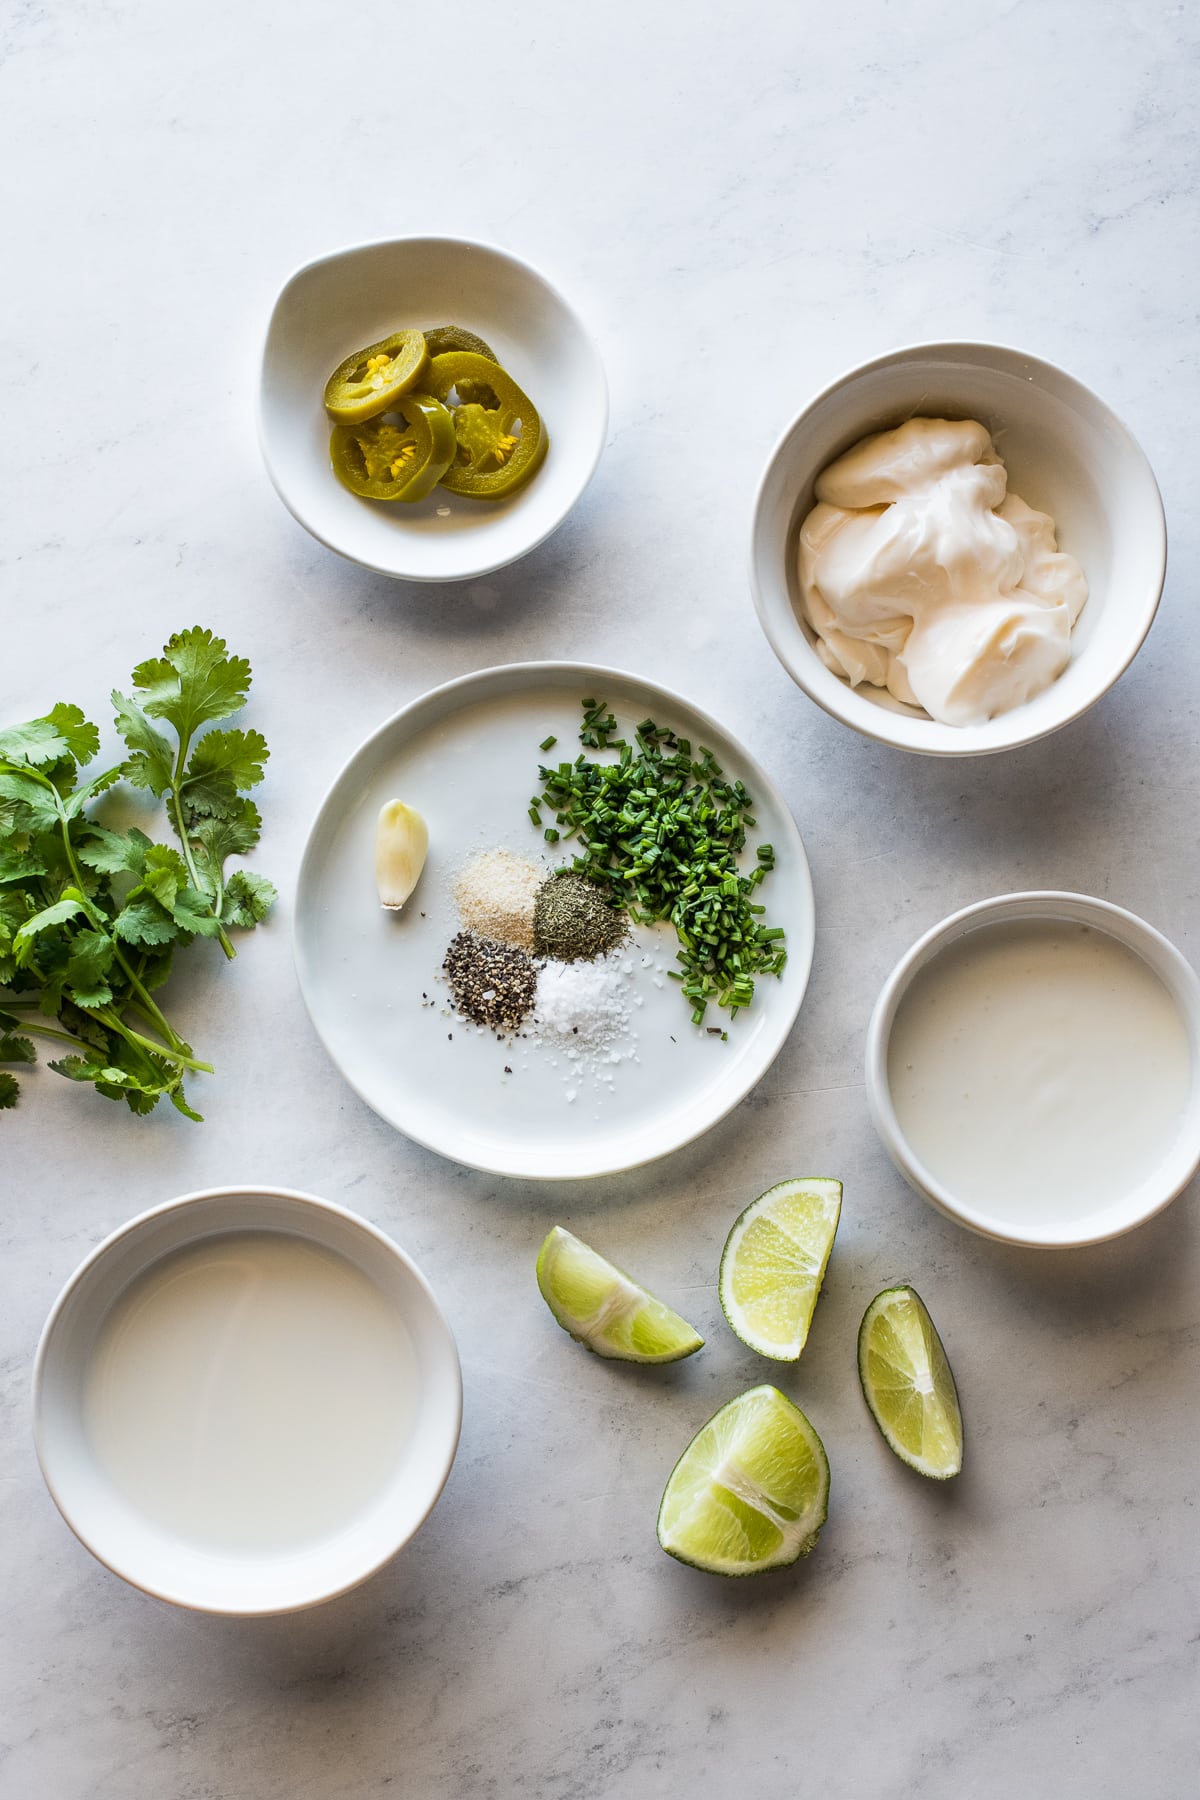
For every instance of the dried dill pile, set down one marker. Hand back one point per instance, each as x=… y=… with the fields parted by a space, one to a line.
x=573 y=921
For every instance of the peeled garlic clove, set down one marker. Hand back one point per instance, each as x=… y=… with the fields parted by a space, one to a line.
x=401 y=846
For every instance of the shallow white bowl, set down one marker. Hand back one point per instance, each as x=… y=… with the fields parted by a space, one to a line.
x=1180 y=1159
x=334 y=306
x=1067 y=454
x=130 y=1543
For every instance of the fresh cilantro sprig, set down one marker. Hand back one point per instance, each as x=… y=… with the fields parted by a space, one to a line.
x=90 y=917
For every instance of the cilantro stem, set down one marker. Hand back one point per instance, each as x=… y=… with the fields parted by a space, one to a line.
x=98 y=920
x=179 y=1055
x=181 y=833
x=46 y=1031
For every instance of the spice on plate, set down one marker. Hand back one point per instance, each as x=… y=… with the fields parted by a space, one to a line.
x=573 y=921
x=495 y=893
x=584 y=1010
x=493 y=984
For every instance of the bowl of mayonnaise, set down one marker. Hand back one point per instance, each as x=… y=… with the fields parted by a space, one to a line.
x=957 y=548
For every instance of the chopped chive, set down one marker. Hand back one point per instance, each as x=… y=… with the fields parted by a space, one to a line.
x=548 y=743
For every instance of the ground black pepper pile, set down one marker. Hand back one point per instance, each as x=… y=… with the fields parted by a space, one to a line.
x=572 y=920
x=493 y=984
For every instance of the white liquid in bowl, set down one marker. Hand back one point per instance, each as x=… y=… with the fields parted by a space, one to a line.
x=1039 y=1070
x=252 y=1392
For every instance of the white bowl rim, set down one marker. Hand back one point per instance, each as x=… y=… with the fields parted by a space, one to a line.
x=543 y=667
x=476 y=572
x=1182 y=983
x=181 y=1203
x=870 y=720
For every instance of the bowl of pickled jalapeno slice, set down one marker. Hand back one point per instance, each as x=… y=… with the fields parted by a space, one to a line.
x=420 y=410
x=430 y=408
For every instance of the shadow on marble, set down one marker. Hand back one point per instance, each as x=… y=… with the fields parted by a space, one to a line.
x=1135 y=1271
x=530 y=593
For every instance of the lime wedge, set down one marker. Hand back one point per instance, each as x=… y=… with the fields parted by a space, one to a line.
x=907 y=1383
x=750 y=1492
x=605 y=1309
x=774 y=1262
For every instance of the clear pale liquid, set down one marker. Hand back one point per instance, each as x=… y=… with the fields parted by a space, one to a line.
x=251 y=1393
x=1039 y=1070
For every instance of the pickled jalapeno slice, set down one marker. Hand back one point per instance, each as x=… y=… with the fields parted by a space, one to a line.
x=398 y=456
x=372 y=380
x=457 y=337
x=500 y=440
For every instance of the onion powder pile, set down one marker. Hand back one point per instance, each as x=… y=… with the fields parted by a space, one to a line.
x=495 y=892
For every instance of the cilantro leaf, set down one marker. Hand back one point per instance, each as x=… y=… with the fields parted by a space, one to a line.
x=16 y=1049
x=156 y=965
x=144 y=921
x=64 y=732
x=69 y=907
x=193 y=681
x=248 y=899
x=110 y=852
x=10 y=1091
x=164 y=874
x=20 y=862
x=216 y=839
x=178 y=1101
x=74 y=804
x=192 y=912
x=36 y=809
x=150 y=763
x=222 y=763
x=92 y=955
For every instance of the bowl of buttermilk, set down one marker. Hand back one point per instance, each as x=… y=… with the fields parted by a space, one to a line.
x=957 y=549
x=1033 y=1069
x=246 y=1401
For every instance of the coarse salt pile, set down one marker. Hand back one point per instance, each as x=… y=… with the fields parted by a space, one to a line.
x=495 y=892
x=584 y=1012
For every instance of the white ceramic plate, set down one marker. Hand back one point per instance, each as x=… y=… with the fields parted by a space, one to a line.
x=466 y=756
x=335 y=305
x=114 y=1522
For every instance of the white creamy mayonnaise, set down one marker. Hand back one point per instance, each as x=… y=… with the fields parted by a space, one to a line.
x=920 y=573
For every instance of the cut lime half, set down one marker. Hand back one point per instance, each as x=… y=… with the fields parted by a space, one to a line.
x=607 y=1310
x=907 y=1383
x=750 y=1492
x=774 y=1263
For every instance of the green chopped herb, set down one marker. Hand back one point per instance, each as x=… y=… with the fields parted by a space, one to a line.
x=548 y=743
x=661 y=833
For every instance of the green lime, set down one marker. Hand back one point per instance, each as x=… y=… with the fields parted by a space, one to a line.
x=774 y=1262
x=605 y=1309
x=907 y=1383
x=750 y=1492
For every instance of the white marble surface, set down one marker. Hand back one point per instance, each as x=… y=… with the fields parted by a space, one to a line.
x=741 y=201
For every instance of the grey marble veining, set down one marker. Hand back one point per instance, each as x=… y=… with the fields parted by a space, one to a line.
x=741 y=201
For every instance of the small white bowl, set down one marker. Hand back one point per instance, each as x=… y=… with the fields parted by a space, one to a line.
x=1181 y=1158
x=1067 y=454
x=168 y=1565
x=334 y=306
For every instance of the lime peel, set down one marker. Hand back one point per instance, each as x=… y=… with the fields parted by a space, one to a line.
x=908 y=1384
x=774 y=1262
x=605 y=1309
